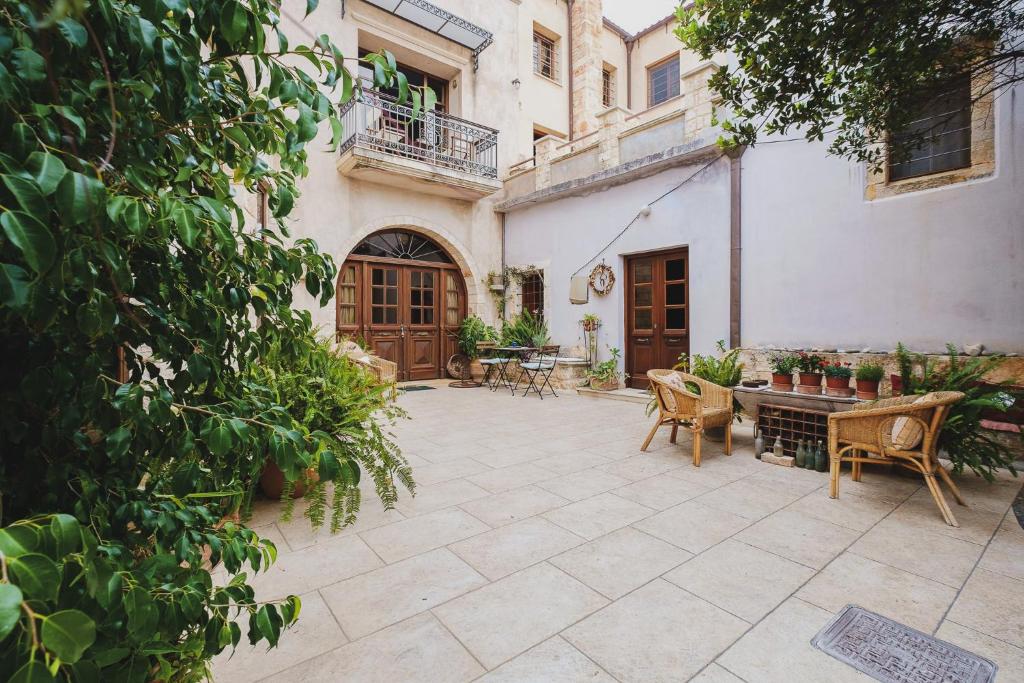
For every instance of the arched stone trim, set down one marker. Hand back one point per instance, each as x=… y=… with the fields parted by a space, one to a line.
x=471 y=272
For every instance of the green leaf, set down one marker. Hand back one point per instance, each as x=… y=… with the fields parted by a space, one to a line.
x=32 y=672
x=67 y=533
x=47 y=169
x=311 y=5
x=29 y=64
x=143 y=33
x=185 y=222
x=14 y=285
x=68 y=634
x=217 y=436
x=234 y=21
x=79 y=198
x=10 y=608
x=28 y=195
x=31 y=237
x=403 y=87
x=37 y=575
x=19 y=539
x=73 y=32
x=306 y=123
x=118 y=442
x=143 y=615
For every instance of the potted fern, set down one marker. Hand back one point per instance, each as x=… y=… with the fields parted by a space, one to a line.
x=473 y=331
x=726 y=371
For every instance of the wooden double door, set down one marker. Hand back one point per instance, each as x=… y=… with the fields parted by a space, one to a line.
x=657 y=312
x=407 y=313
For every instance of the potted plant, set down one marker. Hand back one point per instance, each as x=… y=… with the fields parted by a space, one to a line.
x=837 y=379
x=783 y=365
x=810 y=366
x=473 y=331
x=868 y=376
x=590 y=322
x=605 y=376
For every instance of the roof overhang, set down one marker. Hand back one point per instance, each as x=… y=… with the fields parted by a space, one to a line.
x=438 y=21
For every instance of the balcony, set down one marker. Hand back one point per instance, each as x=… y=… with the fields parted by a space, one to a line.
x=435 y=153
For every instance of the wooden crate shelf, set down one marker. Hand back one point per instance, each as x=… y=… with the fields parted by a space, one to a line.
x=792 y=424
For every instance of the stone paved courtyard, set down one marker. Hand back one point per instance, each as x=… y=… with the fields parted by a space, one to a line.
x=543 y=546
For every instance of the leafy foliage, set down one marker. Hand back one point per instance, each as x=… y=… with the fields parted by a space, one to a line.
x=472 y=331
x=838 y=370
x=608 y=370
x=962 y=437
x=134 y=298
x=855 y=68
x=526 y=329
x=726 y=371
x=869 y=372
x=784 y=363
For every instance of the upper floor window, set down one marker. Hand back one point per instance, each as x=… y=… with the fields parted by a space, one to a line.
x=533 y=294
x=607 y=87
x=545 y=56
x=942 y=127
x=663 y=81
x=416 y=78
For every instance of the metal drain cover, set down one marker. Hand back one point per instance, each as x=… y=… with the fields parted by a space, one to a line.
x=893 y=653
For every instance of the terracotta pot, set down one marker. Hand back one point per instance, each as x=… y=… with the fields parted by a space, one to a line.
x=897 y=384
x=867 y=389
x=476 y=370
x=608 y=385
x=782 y=378
x=839 y=392
x=272 y=481
x=810 y=379
x=782 y=387
x=837 y=382
x=808 y=389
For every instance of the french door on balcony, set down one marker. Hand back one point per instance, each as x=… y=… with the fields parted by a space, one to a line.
x=408 y=314
x=657 y=312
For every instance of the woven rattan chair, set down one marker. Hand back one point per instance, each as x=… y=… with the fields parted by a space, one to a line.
x=696 y=412
x=864 y=435
x=383 y=370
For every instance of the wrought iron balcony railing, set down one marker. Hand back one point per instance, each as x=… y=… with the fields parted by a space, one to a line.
x=378 y=123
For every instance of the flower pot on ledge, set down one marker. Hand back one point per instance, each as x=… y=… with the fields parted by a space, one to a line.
x=604 y=385
x=867 y=389
x=782 y=381
x=897 y=384
x=810 y=383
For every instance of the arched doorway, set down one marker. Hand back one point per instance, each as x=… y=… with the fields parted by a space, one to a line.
x=403 y=294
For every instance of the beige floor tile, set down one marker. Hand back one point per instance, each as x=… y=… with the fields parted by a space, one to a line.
x=1005 y=554
x=881 y=482
x=692 y=526
x=713 y=673
x=779 y=650
x=977 y=524
x=747 y=500
x=853 y=512
x=568 y=463
x=402 y=652
x=513 y=506
x=583 y=484
x=419 y=534
x=599 y=515
x=660 y=492
x=299 y=572
x=516 y=546
x=553 y=661
x=642 y=466
x=316 y=632
x=992 y=604
x=933 y=556
x=656 y=633
x=506 y=456
x=621 y=561
x=372 y=514
x=512 y=615
x=711 y=478
x=431 y=474
x=912 y=600
x=1008 y=658
x=807 y=540
x=505 y=478
x=790 y=479
x=741 y=579
x=440 y=496
x=371 y=601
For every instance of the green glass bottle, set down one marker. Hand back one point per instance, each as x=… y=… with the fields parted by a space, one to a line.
x=820 y=458
x=801 y=454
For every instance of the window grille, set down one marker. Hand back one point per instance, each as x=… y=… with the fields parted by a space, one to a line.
x=943 y=129
x=663 y=81
x=545 y=57
x=607 y=88
x=533 y=294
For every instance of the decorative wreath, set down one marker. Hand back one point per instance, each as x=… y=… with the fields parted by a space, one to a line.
x=602 y=279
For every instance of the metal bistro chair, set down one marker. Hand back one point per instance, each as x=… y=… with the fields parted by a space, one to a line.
x=540 y=366
x=491 y=364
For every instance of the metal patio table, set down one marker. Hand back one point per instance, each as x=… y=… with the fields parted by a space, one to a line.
x=505 y=356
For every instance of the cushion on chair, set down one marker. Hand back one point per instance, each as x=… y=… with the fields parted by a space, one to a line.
x=907 y=433
x=491 y=361
x=676 y=382
x=537 y=366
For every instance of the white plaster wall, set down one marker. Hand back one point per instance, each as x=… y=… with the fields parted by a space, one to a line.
x=613 y=52
x=541 y=102
x=823 y=267
x=560 y=235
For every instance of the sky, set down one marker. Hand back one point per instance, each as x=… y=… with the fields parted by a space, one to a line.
x=634 y=15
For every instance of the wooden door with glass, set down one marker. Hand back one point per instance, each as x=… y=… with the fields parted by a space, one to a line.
x=657 y=312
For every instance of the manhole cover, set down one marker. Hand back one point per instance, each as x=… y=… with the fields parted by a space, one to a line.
x=891 y=652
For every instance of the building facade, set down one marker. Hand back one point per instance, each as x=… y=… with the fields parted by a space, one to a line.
x=562 y=142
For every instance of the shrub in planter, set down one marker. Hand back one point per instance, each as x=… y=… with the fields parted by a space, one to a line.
x=837 y=378
x=783 y=365
x=726 y=371
x=472 y=331
x=526 y=329
x=810 y=366
x=867 y=376
x=605 y=376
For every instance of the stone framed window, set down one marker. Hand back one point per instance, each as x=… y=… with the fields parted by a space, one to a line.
x=959 y=145
x=545 y=56
x=663 y=81
x=608 y=87
x=533 y=294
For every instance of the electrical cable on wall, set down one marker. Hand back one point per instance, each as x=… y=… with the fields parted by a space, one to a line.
x=641 y=212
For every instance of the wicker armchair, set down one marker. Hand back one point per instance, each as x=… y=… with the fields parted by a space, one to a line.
x=385 y=371
x=678 y=406
x=864 y=435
